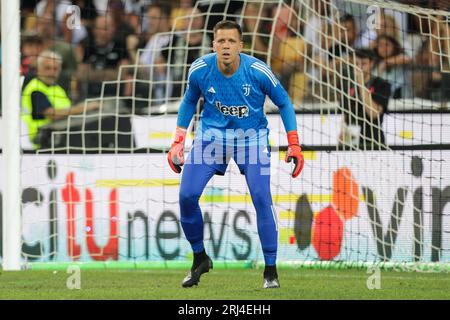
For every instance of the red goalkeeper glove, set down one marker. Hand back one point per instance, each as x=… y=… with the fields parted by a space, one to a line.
x=294 y=152
x=176 y=152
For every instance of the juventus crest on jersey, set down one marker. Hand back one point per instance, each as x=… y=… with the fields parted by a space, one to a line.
x=236 y=101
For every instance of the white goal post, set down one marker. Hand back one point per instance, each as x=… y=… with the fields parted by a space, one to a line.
x=10 y=15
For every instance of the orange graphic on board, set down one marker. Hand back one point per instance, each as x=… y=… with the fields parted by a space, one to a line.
x=328 y=227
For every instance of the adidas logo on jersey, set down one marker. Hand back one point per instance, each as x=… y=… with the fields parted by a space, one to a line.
x=212 y=90
x=236 y=111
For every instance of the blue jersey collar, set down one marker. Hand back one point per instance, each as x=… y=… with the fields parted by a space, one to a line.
x=238 y=70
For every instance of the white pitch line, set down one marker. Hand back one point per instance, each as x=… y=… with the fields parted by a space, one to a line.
x=364 y=276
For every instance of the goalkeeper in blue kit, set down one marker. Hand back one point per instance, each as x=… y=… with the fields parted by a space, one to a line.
x=232 y=125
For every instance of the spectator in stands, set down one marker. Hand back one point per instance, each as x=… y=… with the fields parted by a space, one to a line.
x=186 y=47
x=431 y=77
x=341 y=59
x=339 y=53
x=281 y=25
x=313 y=26
x=136 y=7
x=348 y=36
x=158 y=15
x=392 y=66
x=255 y=30
x=219 y=10
x=46 y=29
x=31 y=47
x=389 y=24
x=133 y=12
x=123 y=28
x=102 y=57
x=43 y=100
x=27 y=15
x=76 y=22
x=72 y=18
x=365 y=100
x=288 y=57
x=152 y=60
x=321 y=67
x=318 y=37
x=183 y=9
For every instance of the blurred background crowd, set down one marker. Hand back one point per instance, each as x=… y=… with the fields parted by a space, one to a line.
x=95 y=37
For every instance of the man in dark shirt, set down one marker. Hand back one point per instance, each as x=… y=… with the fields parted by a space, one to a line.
x=364 y=107
x=102 y=58
x=348 y=37
x=185 y=49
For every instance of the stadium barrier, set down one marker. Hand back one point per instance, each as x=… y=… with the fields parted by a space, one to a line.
x=124 y=208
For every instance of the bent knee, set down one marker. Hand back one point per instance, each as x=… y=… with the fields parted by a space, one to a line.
x=189 y=196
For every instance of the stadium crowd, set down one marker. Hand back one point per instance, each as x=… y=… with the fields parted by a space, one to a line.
x=311 y=53
x=96 y=37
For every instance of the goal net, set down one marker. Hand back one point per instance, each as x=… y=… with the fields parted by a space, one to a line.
x=376 y=141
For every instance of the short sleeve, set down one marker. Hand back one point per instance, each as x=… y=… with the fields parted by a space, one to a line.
x=40 y=103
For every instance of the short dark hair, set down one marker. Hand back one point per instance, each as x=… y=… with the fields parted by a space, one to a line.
x=31 y=38
x=228 y=24
x=347 y=17
x=366 y=53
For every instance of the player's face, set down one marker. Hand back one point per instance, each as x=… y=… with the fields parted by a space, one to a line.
x=228 y=45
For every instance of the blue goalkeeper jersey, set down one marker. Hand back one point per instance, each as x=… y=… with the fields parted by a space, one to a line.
x=233 y=108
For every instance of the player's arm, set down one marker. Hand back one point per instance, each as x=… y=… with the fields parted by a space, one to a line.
x=273 y=88
x=188 y=106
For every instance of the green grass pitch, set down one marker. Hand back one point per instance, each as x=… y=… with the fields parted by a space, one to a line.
x=223 y=284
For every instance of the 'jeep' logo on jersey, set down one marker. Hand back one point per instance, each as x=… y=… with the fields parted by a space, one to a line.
x=236 y=111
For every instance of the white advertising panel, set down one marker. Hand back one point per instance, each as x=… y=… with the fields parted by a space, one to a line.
x=348 y=206
x=401 y=129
